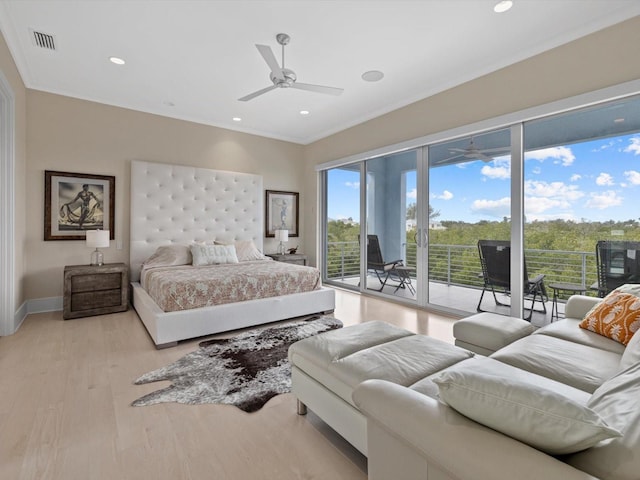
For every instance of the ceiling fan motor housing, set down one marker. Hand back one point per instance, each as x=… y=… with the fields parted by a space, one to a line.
x=289 y=78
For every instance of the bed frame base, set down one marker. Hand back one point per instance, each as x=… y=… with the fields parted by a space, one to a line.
x=168 y=328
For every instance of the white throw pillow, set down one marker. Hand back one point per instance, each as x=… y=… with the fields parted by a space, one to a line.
x=169 y=255
x=618 y=402
x=246 y=250
x=538 y=417
x=213 y=254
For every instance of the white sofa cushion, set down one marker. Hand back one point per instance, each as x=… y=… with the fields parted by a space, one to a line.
x=571 y=363
x=617 y=401
x=542 y=418
x=631 y=354
x=569 y=329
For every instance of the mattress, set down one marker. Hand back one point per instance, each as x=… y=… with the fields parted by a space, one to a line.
x=187 y=287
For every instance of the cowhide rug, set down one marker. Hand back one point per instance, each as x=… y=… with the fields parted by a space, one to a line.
x=246 y=370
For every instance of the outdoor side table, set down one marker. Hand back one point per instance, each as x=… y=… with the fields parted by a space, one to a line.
x=572 y=288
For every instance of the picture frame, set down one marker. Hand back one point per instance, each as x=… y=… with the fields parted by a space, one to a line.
x=281 y=212
x=77 y=202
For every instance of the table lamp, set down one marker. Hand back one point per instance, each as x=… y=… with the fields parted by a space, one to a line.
x=97 y=239
x=282 y=236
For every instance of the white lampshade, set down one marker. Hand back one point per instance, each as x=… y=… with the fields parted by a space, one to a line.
x=282 y=235
x=97 y=238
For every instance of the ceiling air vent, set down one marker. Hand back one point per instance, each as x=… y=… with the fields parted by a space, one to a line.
x=44 y=40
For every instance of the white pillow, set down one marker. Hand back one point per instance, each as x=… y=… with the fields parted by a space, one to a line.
x=538 y=417
x=618 y=401
x=246 y=250
x=169 y=255
x=213 y=254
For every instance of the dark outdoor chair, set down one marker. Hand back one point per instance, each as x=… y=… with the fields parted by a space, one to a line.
x=376 y=264
x=618 y=262
x=495 y=259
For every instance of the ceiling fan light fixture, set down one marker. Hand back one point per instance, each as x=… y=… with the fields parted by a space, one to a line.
x=304 y=112
x=503 y=6
x=236 y=119
x=117 y=60
x=372 y=76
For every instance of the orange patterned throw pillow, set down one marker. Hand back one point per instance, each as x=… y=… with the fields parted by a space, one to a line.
x=616 y=317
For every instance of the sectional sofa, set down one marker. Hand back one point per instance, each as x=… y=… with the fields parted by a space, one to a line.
x=559 y=403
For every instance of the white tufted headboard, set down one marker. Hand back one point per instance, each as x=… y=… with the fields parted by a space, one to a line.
x=178 y=204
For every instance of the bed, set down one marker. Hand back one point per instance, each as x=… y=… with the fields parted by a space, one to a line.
x=173 y=205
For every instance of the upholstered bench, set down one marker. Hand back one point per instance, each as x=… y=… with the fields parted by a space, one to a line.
x=325 y=369
x=486 y=333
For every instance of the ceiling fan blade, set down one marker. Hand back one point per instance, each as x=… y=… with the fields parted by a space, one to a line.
x=270 y=58
x=317 y=88
x=255 y=94
x=446 y=160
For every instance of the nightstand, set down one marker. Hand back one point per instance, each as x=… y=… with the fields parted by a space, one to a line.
x=95 y=290
x=295 y=258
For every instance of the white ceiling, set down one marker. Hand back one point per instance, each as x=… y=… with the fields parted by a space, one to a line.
x=192 y=60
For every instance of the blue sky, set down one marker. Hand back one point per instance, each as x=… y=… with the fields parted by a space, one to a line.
x=595 y=181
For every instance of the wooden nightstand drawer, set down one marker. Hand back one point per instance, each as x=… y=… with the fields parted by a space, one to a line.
x=95 y=290
x=293 y=258
x=89 y=300
x=92 y=283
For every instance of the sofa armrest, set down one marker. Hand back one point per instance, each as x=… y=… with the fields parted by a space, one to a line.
x=450 y=442
x=578 y=305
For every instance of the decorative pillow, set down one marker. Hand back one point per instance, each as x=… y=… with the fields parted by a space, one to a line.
x=213 y=254
x=246 y=250
x=169 y=255
x=541 y=418
x=616 y=401
x=616 y=317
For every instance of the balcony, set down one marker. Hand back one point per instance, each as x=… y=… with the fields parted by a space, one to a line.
x=455 y=279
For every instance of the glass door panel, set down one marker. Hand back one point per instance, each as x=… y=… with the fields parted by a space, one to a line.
x=581 y=185
x=342 y=227
x=469 y=183
x=391 y=193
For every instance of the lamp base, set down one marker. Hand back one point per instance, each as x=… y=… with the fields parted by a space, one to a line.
x=281 y=249
x=97 y=258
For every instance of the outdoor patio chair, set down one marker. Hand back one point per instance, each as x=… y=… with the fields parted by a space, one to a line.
x=495 y=259
x=376 y=264
x=618 y=262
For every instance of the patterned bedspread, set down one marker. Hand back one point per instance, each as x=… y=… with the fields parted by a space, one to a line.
x=186 y=287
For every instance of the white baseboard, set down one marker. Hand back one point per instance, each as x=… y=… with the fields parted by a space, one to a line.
x=38 y=305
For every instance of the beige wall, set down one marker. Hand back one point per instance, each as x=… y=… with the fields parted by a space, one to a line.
x=603 y=59
x=10 y=72
x=71 y=135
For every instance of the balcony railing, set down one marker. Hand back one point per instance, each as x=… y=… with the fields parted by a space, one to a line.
x=459 y=265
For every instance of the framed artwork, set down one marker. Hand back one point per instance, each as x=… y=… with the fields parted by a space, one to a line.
x=77 y=202
x=281 y=212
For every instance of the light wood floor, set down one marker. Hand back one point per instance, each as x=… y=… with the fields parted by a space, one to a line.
x=66 y=386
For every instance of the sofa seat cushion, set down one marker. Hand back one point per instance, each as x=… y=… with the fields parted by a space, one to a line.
x=489 y=331
x=580 y=366
x=617 y=401
x=569 y=329
x=342 y=359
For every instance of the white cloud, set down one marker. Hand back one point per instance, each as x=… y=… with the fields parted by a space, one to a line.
x=412 y=194
x=575 y=177
x=604 y=179
x=499 y=168
x=493 y=208
x=604 y=200
x=537 y=205
x=354 y=185
x=446 y=195
x=605 y=146
x=634 y=146
x=536 y=171
x=562 y=154
x=557 y=190
x=633 y=177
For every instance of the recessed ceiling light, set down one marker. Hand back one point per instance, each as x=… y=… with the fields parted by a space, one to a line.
x=503 y=6
x=237 y=119
x=618 y=120
x=304 y=112
x=116 y=60
x=372 y=76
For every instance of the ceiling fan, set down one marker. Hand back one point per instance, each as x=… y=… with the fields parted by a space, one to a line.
x=283 y=77
x=472 y=152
